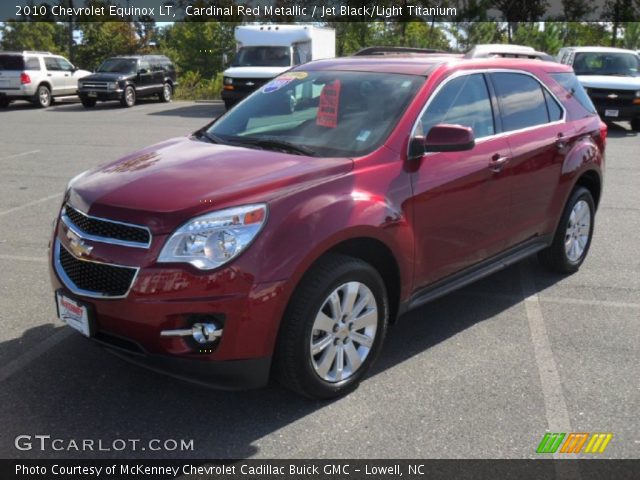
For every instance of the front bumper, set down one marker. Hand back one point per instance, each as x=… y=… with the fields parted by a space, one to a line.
x=101 y=95
x=626 y=111
x=234 y=96
x=165 y=298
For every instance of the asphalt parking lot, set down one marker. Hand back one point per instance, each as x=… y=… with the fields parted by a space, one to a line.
x=481 y=373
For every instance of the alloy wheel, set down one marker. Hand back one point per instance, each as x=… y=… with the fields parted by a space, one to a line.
x=578 y=228
x=343 y=332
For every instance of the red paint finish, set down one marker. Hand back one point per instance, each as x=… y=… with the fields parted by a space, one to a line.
x=436 y=215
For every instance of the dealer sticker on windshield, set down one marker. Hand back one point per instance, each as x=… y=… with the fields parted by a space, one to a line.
x=282 y=81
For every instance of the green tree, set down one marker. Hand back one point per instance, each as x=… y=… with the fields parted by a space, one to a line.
x=46 y=36
x=101 y=40
x=631 y=39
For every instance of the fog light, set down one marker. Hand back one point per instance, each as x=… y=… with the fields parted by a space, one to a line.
x=200 y=332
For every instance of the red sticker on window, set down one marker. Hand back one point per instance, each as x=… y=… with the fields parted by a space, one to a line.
x=329 y=102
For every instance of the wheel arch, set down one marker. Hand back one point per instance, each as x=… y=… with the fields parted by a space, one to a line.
x=592 y=181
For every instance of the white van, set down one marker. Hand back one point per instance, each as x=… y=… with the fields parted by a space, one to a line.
x=265 y=51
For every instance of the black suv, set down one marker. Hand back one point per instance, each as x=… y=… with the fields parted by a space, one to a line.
x=127 y=78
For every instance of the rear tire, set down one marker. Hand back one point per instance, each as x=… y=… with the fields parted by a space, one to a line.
x=333 y=329
x=167 y=93
x=88 y=102
x=635 y=124
x=128 y=98
x=572 y=239
x=43 y=97
x=4 y=102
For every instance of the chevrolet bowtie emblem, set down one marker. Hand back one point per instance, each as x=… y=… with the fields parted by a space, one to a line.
x=250 y=84
x=612 y=95
x=77 y=245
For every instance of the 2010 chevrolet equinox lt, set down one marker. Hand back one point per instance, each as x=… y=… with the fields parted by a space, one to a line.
x=281 y=239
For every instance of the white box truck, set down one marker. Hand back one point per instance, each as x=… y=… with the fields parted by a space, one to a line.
x=265 y=51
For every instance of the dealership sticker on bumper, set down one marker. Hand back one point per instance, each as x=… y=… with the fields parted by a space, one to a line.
x=73 y=314
x=611 y=113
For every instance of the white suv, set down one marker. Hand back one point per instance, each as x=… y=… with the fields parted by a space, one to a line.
x=611 y=77
x=36 y=76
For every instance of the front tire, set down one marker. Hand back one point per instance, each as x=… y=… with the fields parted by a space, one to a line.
x=43 y=97
x=166 y=94
x=333 y=329
x=128 y=97
x=573 y=237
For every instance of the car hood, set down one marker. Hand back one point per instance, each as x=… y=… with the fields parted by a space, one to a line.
x=610 y=81
x=164 y=185
x=254 y=72
x=106 y=77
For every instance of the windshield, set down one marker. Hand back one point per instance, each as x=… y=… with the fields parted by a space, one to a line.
x=118 y=65
x=262 y=57
x=325 y=113
x=606 y=63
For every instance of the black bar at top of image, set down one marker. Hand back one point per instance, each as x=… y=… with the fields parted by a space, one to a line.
x=584 y=469
x=283 y=11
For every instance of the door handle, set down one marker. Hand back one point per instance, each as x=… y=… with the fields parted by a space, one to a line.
x=498 y=162
x=49 y=75
x=66 y=74
x=561 y=142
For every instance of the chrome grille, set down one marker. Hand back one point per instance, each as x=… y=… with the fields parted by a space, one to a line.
x=103 y=230
x=93 y=279
x=95 y=85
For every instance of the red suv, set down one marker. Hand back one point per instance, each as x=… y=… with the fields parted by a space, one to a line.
x=283 y=238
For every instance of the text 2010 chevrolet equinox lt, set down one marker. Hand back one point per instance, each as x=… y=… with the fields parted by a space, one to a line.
x=283 y=238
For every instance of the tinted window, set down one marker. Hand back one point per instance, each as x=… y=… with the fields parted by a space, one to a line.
x=573 y=86
x=32 y=64
x=51 y=63
x=296 y=56
x=521 y=100
x=555 y=111
x=118 y=65
x=144 y=65
x=64 y=65
x=11 y=62
x=462 y=101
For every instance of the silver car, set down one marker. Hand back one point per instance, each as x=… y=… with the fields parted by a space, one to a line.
x=38 y=77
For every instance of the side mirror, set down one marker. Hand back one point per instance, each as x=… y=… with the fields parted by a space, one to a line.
x=449 y=138
x=142 y=71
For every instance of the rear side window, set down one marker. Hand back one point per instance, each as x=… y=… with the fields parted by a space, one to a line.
x=521 y=100
x=51 y=63
x=462 y=101
x=555 y=111
x=571 y=84
x=32 y=64
x=11 y=62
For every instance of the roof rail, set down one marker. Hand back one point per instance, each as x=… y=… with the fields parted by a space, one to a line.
x=37 y=52
x=394 y=51
x=507 y=51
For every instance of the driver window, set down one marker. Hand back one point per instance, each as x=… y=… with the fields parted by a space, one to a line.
x=64 y=65
x=144 y=65
x=462 y=101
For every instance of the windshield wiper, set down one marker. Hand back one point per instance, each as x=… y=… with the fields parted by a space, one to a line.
x=275 y=144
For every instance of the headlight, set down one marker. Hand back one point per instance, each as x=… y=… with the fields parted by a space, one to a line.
x=211 y=240
x=637 y=93
x=227 y=80
x=80 y=84
x=112 y=86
